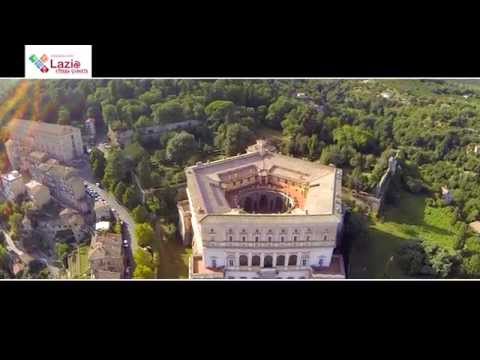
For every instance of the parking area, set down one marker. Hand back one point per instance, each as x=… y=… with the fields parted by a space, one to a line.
x=96 y=194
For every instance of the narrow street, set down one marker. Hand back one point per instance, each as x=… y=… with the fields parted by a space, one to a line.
x=11 y=246
x=120 y=211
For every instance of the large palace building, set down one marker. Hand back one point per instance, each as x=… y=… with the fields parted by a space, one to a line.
x=263 y=215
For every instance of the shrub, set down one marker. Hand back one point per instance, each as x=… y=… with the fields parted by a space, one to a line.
x=411 y=257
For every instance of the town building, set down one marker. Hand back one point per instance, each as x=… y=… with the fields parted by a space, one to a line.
x=102 y=211
x=105 y=256
x=13 y=185
x=264 y=215
x=75 y=222
x=102 y=226
x=475 y=148
x=61 y=142
x=447 y=195
x=68 y=226
x=38 y=193
x=64 y=183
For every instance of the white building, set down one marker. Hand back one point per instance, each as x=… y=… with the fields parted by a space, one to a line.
x=102 y=226
x=39 y=194
x=446 y=195
x=13 y=185
x=105 y=256
x=61 y=142
x=64 y=183
x=68 y=220
x=264 y=215
x=73 y=220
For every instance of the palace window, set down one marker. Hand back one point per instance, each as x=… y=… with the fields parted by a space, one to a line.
x=308 y=238
x=214 y=262
x=269 y=238
x=244 y=238
x=295 y=238
x=292 y=260
x=282 y=238
x=321 y=260
x=281 y=260
x=231 y=261
x=304 y=260
x=268 y=261
x=230 y=238
x=243 y=260
x=325 y=237
x=256 y=260
x=256 y=238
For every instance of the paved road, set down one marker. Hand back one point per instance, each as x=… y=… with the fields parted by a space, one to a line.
x=121 y=211
x=26 y=258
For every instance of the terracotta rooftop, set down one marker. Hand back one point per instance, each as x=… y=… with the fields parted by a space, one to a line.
x=22 y=128
x=205 y=181
x=200 y=268
x=106 y=244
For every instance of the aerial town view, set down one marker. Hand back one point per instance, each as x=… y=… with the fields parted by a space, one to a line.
x=239 y=179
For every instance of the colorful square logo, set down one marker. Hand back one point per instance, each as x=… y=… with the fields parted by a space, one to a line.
x=40 y=63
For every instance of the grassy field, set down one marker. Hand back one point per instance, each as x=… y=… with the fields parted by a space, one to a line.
x=78 y=263
x=173 y=262
x=371 y=255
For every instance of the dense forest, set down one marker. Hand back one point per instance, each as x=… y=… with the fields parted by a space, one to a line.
x=433 y=126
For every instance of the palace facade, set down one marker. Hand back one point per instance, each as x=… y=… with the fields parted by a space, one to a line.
x=263 y=215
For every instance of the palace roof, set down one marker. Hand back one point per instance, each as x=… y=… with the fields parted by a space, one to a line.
x=320 y=184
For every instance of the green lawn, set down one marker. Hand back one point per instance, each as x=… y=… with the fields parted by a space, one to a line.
x=371 y=255
x=173 y=260
x=78 y=263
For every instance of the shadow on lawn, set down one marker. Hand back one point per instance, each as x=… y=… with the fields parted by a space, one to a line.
x=373 y=256
x=412 y=212
x=173 y=260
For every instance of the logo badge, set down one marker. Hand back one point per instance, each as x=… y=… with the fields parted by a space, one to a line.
x=40 y=63
x=58 y=61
